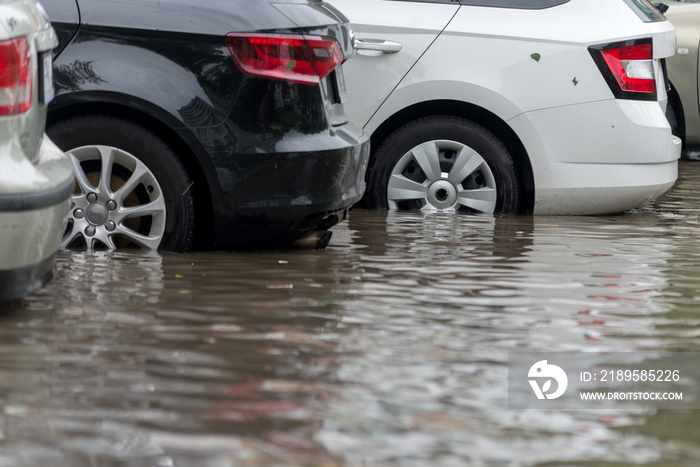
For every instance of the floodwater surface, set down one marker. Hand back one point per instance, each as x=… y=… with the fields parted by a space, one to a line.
x=388 y=348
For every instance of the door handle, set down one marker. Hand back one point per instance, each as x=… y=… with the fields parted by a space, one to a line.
x=387 y=47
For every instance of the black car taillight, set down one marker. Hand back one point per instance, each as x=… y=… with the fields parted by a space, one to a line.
x=628 y=68
x=15 y=76
x=301 y=59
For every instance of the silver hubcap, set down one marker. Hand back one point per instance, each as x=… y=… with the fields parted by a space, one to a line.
x=118 y=201
x=442 y=175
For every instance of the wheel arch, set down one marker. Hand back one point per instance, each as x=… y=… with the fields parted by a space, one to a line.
x=186 y=148
x=475 y=113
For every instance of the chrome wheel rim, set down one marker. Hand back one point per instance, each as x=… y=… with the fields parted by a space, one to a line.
x=442 y=175
x=117 y=201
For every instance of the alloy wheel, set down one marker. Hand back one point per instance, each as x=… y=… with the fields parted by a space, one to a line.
x=117 y=201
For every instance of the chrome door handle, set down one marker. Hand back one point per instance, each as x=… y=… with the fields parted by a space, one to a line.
x=387 y=47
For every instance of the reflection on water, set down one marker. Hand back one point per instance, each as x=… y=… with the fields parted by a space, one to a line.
x=388 y=348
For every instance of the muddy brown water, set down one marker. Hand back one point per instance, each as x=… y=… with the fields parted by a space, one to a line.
x=388 y=348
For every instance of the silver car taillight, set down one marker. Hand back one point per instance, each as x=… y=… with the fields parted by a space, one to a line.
x=15 y=76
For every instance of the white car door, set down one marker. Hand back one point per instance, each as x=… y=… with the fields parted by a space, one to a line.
x=391 y=37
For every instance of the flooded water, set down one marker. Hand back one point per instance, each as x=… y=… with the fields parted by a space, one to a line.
x=388 y=348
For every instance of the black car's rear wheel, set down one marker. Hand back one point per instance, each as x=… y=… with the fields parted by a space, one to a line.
x=132 y=190
x=443 y=163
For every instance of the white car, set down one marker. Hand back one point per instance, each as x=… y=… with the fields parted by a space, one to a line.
x=36 y=178
x=512 y=106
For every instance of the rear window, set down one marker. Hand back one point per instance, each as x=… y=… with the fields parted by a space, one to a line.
x=645 y=10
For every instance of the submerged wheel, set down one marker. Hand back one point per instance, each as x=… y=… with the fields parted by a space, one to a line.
x=131 y=189
x=443 y=163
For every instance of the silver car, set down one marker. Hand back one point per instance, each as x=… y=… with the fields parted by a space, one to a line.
x=36 y=178
x=683 y=109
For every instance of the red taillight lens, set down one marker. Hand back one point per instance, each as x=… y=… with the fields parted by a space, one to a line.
x=15 y=76
x=629 y=68
x=291 y=58
x=632 y=67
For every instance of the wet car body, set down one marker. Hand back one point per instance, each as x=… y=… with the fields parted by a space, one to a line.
x=684 y=107
x=36 y=178
x=509 y=106
x=265 y=161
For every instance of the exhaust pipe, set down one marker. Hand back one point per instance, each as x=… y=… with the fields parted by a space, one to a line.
x=316 y=239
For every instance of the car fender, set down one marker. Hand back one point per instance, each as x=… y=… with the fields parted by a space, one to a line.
x=91 y=71
x=417 y=92
x=74 y=103
x=454 y=71
x=100 y=65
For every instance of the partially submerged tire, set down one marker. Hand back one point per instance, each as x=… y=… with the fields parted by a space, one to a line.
x=132 y=190
x=443 y=163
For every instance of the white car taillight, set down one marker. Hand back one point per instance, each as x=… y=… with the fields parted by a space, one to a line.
x=15 y=76
x=301 y=59
x=628 y=68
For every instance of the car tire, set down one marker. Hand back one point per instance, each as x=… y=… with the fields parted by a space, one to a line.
x=148 y=202
x=443 y=163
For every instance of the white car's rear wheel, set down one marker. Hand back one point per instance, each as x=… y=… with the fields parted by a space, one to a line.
x=443 y=163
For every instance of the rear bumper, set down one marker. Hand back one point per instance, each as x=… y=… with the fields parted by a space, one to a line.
x=625 y=190
x=277 y=197
x=599 y=158
x=34 y=201
x=19 y=282
x=28 y=243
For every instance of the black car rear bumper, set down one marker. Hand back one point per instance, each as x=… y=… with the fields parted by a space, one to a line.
x=276 y=198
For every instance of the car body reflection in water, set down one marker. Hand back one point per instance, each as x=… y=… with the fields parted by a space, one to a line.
x=388 y=348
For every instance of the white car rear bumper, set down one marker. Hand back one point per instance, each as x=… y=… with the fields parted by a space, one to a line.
x=600 y=157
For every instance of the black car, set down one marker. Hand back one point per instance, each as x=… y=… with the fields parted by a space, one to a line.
x=204 y=124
